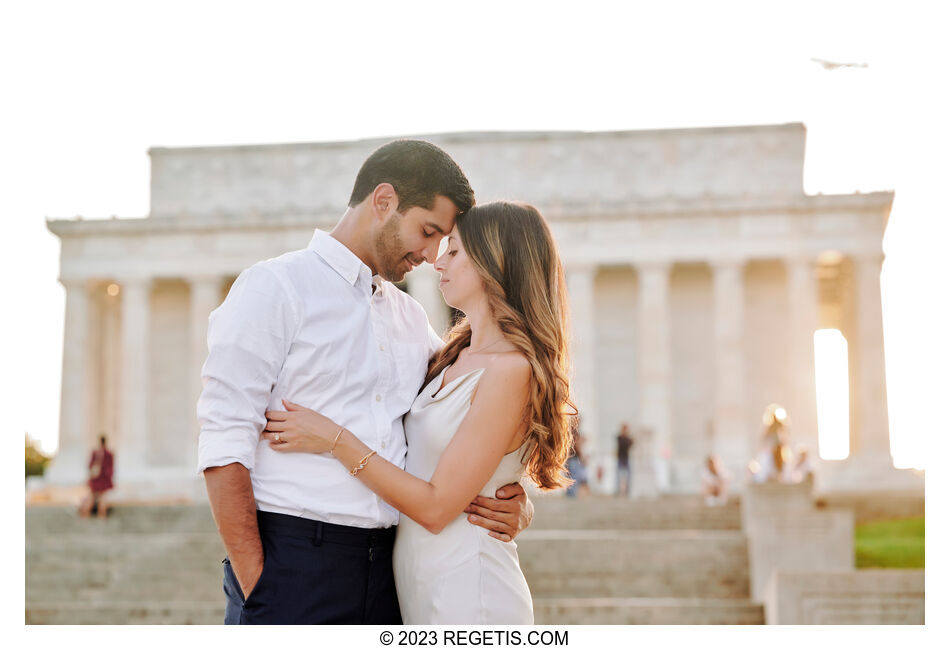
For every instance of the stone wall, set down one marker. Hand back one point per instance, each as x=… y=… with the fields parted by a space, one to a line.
x=556 y=168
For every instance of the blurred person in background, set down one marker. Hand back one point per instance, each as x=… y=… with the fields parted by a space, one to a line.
x=773 y=461
x=101 y=464
x=715 y=481
x=575 y=464
x=804 y=469
x=624 y=475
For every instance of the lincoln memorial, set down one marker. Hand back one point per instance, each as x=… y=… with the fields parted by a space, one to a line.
x=698 y=272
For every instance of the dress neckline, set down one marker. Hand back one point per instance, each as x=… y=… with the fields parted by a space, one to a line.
x=442 y=374
x=444 y=389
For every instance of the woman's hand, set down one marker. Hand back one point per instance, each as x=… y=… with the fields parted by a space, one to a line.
x=299 y=429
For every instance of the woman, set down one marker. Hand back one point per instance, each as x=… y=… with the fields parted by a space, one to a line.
x=494 y=405
x=772 y=464
x=101 y=463
x=715 y=479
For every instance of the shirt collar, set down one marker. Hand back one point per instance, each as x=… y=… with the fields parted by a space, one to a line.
x=344 y=261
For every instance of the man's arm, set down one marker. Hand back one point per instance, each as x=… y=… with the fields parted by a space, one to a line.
x=248 y=339
x=235 y=514
x=505 y=517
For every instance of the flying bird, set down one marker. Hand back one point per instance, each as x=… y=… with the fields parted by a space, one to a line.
x=832 y=65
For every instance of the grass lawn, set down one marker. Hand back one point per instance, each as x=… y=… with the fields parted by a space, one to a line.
x=893 y=544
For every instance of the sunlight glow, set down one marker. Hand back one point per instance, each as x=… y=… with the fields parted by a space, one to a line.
x=831 y=384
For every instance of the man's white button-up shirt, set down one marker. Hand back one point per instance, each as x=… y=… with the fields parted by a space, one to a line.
x=315 y=328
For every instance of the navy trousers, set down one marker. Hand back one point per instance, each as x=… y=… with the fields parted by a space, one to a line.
x=317 y=573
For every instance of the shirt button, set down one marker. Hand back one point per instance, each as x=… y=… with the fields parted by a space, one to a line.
x=383 y=445
x=379 y=398
x=382 y=347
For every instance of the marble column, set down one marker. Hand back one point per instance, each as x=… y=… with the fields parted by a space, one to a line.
x=580 y=294
x=803 y=321
x=69 y=465
x=205 y=298
x=132 y=458
x=111 y=372
x=870 y=392
x=731 y=434
x=655 y=363
x=423 y=285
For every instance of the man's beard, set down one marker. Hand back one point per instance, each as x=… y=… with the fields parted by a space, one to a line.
x=390 y=255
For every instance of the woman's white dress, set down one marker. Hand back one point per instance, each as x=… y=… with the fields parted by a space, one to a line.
x=462 y=575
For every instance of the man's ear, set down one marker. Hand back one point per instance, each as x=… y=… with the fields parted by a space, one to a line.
x=384 y=201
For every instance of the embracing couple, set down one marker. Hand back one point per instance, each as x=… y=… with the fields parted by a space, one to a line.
x=332 y=411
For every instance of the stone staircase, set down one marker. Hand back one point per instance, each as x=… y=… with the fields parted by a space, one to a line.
x=143 y=565
x=666 y=561
x=591 y=561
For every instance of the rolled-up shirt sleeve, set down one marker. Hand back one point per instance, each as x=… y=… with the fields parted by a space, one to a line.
x=249 y=337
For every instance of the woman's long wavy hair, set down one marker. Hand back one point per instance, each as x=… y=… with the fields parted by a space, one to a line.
x=513 y=251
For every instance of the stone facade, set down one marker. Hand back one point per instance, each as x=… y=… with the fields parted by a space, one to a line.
x=697 y=269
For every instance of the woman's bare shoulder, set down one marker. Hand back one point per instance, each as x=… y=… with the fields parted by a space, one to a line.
x=511 y=365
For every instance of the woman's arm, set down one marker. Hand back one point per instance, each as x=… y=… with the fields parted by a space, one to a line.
x=485 y=435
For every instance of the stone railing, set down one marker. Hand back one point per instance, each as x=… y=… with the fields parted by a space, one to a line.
x=787 y=532
x=866 y=597
x=801 y=565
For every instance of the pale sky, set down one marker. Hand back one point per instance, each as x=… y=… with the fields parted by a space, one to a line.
x=91 y=86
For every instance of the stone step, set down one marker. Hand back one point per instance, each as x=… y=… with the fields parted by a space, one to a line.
x=53 y=520
x=547 y=611
x=181 y=612
x=663 y=513
x=130 y=590
x=122 y=546
x=712 y=564
x=109 y=576
x=135 y=593
x=85 y=562
x=666 y=512
x=173 y=562
x=567 y=562
x=647 y=611
x=162 y=564
x=556 y=563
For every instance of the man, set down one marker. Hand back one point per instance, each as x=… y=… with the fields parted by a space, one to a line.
x=307 y=542
x=624 y=477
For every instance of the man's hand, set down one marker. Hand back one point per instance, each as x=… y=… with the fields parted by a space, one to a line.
x=504 y=517
x=247 y=577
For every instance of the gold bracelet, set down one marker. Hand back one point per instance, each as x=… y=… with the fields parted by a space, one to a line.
x=362 y=463
x=338 y=434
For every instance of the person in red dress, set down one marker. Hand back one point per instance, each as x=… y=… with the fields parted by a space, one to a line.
x=100 y=480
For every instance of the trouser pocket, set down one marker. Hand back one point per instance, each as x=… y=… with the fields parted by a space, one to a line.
x=234 y=602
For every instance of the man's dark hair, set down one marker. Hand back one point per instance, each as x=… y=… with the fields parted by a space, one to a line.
x=102 y=440
x=418 y=171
